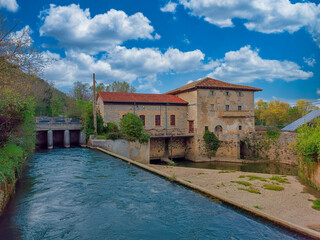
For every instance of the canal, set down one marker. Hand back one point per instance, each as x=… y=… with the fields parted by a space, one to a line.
x=84 y=194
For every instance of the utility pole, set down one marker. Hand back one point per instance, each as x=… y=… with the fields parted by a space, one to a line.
x=94 y=105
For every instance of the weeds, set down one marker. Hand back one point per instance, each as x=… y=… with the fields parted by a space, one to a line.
x=187 y=180
x=172 y=164
x=173 y=177
x=279 y=179
x=244 y=183
x=254 y=177
x=227 y=171
x=257 y=207
x=316 y=204
x=273 y=187
x=251 y=190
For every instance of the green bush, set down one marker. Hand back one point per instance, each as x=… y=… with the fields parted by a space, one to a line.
x=113 y=135
x=112 y=127
x=212 y=142
x=273 y=134
x=131 y=127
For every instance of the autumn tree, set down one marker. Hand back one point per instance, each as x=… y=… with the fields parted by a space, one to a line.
x=276 y=114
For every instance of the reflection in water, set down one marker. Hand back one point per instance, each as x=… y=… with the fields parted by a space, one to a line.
x=259 y=167
x=84 y=194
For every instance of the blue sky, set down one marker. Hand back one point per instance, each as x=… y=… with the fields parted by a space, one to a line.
x=158 y=45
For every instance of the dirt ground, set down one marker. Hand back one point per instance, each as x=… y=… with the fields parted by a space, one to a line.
x=292 y=204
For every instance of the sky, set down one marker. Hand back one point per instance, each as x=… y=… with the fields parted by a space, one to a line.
x=159 y=45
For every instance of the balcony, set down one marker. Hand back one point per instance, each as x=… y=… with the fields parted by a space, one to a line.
x=236 y=114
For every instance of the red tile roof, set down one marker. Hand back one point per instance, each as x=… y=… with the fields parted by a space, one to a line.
x=212 y=83
x=140 y=98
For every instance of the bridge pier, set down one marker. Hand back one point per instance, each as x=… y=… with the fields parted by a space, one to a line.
x=82 y=138
x=50 y=139
x=66 y=140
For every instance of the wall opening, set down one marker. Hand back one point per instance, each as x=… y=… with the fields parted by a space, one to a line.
x=42 y=140
x=58 y=138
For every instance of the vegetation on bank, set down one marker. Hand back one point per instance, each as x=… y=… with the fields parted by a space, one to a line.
x=308 y=148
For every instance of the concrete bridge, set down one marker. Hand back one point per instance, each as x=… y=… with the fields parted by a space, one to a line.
x=59 y=132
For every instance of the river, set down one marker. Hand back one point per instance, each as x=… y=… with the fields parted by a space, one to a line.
x=80 y=193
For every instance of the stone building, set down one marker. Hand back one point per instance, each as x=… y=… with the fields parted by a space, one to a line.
x=176 y=120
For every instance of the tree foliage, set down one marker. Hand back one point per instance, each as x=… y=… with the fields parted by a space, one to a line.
x=280 y=114
x=131 y=127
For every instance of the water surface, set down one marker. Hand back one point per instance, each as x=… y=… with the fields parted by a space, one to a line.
x=84 y=194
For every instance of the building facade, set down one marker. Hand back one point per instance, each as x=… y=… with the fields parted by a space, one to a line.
x=181 y=116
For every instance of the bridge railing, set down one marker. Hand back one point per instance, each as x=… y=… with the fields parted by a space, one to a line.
x=52 y=120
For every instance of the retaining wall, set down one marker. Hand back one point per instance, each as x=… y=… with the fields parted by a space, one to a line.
x=133 y=150
x=258 y=145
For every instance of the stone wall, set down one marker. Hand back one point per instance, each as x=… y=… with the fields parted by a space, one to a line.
x=258 y=145
x=132 y=150
x=176 y=147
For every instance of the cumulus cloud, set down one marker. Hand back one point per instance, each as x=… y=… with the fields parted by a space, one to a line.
x=122 y=64
x=318 y=91
x=245 y=65
x=74 y=28
x=309 y=61
x=268 y=16
x=169 y=7
x=10 y=5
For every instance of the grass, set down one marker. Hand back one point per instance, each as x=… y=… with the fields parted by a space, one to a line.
x=316 y=204
x=187 y=180
x=172 y=164
x=173 y=177
x=200 y=173
x=273 y=187
x=227 y=171
x=279 y=179
x=221 y=185
x=251 y=190
x=257 y=207
x=244 y=183
x=254 y=177
x=100 y=137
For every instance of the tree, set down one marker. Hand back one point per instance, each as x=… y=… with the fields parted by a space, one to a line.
x=80 y=91
x=18 y=48
x=131 y=127
x=304 y=106
x=260 y=107
x=118 y=86
x=276 y=114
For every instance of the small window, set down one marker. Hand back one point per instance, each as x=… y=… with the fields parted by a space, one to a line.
x=240 y=127
x=172 y=120
x=211 y=93
x=239 y=94
x=212 y=107
x=239 y=108
x=143 y=118
x=157 y=120
x=218 y=129
x=206 y=128
x=227 y=93
x=227 y=107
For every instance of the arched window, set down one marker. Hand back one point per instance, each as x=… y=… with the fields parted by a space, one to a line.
x=218 y=129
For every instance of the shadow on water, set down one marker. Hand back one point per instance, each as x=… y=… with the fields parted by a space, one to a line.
x=259 y=167
x=84 y=194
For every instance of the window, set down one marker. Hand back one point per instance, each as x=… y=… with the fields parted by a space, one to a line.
x=172 y=120
x=212 y=93
x=227 y=93
x=157 y=120
x=239 y=108
x=206 y=128
x=143 y=118
x=191 y=129
x=218 y=129
x=240 y=127
x=239 y=94
x=227 y=107
x=212 y=107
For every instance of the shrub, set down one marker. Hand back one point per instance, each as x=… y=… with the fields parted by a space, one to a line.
x=113 y=135
x=273 y=134
x=112 y=127
x=212 y=142
x=131 y=127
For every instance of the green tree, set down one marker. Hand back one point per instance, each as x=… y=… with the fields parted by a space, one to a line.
x=80 y=91
x=131 y=127
x=118 y=86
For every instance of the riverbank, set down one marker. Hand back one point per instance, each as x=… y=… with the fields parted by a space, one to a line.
x=290 y=207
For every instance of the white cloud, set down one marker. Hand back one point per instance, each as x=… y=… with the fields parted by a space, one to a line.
x=120 y=63
x=268 y=16
x=190 y=81
x=309 y=61
x=10 y=5
x=74 y=28
x=245 y=65
x=169 y=7
x=318 y=91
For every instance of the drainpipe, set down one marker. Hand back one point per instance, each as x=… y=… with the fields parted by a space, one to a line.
x=134 y=107
x=166 y=115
